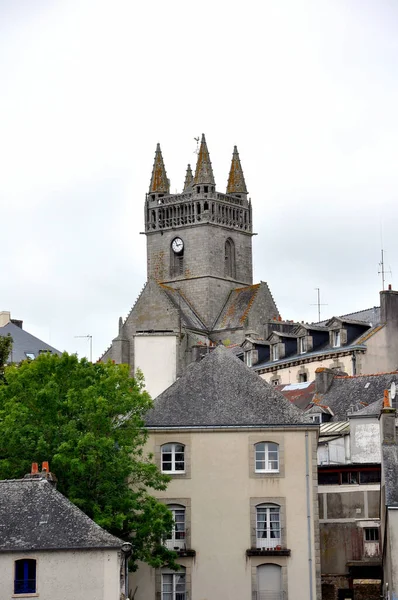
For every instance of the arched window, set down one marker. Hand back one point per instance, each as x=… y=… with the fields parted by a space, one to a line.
x=177 y=537
x=173 y=458
x=25 y=576
x=268 y=526
x=174 y=585
x=269 y=581
x=266 y=457
x=229 y=269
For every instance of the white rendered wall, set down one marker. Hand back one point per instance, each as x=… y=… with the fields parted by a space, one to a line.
x=156 y=357
x=67 y=575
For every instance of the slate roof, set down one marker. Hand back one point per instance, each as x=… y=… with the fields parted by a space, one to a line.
x=390 y=469
x=349 y=394
x=24 y=342
x=237 y=307
x=35 y=516
x=221 y=390
x=372 y=410
x=300 y=394
x=368 y=315
x=189 y=316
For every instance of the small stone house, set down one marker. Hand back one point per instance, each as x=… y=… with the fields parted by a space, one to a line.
x=51 y=550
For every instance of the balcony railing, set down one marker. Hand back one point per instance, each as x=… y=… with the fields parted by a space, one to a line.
x=174 y=544
x=270 y=543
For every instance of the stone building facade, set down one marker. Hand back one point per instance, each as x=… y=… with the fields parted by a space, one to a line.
x=199 y=288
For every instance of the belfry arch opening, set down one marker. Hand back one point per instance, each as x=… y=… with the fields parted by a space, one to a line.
x=229 y=269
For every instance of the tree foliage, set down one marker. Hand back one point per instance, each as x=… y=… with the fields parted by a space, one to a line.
x=5 y=349
x=87 y=420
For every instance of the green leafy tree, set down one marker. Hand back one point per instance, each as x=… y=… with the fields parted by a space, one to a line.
x=5 y=349
x=87 y=421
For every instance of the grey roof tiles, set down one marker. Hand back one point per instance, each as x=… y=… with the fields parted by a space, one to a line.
x=24 y=343
x=221 y=390
x=35 y=516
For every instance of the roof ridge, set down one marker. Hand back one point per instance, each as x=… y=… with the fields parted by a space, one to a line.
x=365 y=375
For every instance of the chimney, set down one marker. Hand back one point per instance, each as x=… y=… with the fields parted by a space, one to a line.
x=323 y=380
x=5 y=317
x=389 y=306
x=45 y=473
x=387 y=421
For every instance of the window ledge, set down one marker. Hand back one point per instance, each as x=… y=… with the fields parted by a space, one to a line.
x=266 y=552
x=188 y=552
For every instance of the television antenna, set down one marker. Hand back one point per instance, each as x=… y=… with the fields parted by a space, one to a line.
x=382 y=271
x=319 y=303
x=90 y=337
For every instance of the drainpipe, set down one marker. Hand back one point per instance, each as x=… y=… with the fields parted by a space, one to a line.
x=126 y=553
x=354 y=363
x=307 y=479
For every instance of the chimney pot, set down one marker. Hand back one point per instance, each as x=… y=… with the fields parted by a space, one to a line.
x=45 y=467
x=389 y=287
x=35 y=469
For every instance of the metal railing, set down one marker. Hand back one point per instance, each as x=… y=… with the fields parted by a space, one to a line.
x=174 y=544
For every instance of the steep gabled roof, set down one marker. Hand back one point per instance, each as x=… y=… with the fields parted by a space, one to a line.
x=35 y=516
x=189 y=316
x=24 y=342
x=237 y=307
x=222 y=391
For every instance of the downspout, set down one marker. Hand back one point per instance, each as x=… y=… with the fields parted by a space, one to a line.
x=307 y=479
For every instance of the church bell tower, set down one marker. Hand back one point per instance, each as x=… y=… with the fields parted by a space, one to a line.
x=199 y=241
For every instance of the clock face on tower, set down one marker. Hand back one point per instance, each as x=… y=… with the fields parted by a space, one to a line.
x=177 y=245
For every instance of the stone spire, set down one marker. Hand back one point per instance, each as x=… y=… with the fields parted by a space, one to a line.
x=159 y=182
x=204 y=172
x=188 y=179
x=236 y=181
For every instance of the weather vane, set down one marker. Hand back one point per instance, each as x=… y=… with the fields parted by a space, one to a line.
x=197 y=145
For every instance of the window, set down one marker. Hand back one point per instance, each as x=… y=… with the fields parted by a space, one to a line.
x=30 y=355
x=173 y=586
x=248 y=358
x=268 y=526
x=317 y=418
x=302 y=345
x=336 y=338
x=176 y=539
x=25 y=576
x=266 y=457
x=371 y=534
x=303 y=377
x=275 y=352
x=229 y=269
x=275 y=381
x=173 y=460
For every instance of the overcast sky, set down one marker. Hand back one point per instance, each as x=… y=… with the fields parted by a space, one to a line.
x=307 y=90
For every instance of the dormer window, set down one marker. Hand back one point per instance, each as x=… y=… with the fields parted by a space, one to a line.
x=302 y=346
x=336 y=338
x=275 y=352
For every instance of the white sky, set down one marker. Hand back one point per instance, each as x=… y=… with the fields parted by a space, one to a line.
x=308 y=90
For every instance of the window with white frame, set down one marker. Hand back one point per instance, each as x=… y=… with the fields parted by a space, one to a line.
x=266 y=457
x=302 y=345
x=176 y=539
x=336 y=338
x=173 y=458
x=275 y=352
x=268 y=526
x=248 y=358
x=316 y=418
x=173 y=585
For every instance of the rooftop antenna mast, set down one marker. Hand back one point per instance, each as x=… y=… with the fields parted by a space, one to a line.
x=90 y=337
x=382 y=271
x=319 y=303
